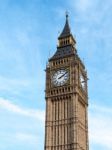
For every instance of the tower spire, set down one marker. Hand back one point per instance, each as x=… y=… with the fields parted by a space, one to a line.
x=67 y=15
x=66 y=42
x=66 y=30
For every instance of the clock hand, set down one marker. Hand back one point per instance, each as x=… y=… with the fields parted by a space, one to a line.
x=62 y=75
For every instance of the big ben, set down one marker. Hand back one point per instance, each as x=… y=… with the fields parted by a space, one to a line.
x=66 y=125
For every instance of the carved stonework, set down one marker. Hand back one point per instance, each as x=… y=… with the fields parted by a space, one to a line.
x=66 y=126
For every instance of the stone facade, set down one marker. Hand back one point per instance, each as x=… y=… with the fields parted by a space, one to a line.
x=66 y=126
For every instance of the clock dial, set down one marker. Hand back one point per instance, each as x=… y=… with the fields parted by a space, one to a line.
x=82 y=81
x=60 y=77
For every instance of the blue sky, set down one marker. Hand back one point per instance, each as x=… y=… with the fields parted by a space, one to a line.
x=28 y=36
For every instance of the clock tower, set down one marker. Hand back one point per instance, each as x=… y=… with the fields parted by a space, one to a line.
x=66 y=125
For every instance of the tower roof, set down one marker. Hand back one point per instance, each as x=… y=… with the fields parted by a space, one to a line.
x=66 y=30
x=66 y=46
x=63 y=52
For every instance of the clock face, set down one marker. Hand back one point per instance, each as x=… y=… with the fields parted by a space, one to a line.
x=82 y=81
x=60 y=77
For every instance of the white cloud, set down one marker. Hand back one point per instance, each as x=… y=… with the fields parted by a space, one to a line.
x=100 y=126
x=8 y=82
x=25 y=137
x=20 y=126
x=9 y=106
x=16 y=86
x=83 y=5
